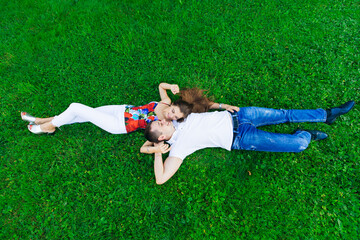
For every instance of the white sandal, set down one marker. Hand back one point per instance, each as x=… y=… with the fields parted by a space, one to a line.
x=27 y=117
x=36 y=129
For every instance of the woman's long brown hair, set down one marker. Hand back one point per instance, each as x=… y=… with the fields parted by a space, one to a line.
x=192 y=100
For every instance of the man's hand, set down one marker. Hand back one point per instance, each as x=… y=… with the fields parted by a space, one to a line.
x=150 y=147
x=162 y=147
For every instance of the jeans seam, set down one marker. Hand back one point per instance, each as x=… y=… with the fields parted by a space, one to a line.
x=281 y=122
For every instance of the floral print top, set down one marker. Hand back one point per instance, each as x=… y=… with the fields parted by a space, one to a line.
x=138 y=117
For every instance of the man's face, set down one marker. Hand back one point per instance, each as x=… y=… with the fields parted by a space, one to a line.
x=164 y=127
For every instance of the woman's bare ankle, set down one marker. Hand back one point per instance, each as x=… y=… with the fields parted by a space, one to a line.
x=40 y=121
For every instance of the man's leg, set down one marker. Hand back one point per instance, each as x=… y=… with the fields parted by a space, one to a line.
x=259 y=116
x=333 y=113
x=251 y=138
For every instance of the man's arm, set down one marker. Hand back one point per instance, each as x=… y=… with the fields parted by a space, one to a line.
x=164 y=171
x=224 y=106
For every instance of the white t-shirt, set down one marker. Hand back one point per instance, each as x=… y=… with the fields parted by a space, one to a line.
x=202 y=130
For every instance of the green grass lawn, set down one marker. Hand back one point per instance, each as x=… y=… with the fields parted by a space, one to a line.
x=84 y=183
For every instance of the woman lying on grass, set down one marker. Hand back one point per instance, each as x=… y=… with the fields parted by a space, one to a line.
x=120 y=119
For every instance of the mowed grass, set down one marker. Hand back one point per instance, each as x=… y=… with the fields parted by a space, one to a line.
x=84 y=183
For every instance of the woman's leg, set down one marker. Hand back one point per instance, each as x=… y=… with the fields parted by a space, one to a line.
x=39 y=121
x=78 y=117
x=266 y=116
x=109 y=118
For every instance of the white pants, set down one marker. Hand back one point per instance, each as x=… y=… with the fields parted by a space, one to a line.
x=110 y=118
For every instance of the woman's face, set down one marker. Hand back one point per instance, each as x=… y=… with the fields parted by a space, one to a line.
x=173 y=113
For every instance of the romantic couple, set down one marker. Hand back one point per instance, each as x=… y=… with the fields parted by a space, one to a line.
x=187 y=126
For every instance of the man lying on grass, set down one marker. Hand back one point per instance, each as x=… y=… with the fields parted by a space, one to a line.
x=238 y=130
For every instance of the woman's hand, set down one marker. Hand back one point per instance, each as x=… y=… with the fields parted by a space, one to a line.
x=162 y=147
x=174 y=88
x=231 y=108
x=224 y=106
x=162 y=91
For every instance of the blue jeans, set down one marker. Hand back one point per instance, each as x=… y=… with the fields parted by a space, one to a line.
x=248 y=137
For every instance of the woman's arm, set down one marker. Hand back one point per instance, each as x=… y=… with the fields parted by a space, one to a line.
x=149 y=148
x=224 y=106
x=163 y=94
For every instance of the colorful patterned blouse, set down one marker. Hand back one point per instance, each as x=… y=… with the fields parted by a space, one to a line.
x=138 y=117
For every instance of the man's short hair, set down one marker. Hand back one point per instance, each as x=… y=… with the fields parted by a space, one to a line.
x=152 y=136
